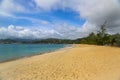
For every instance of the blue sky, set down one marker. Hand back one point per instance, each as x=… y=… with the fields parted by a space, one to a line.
x=67 y=16
x=68 y=19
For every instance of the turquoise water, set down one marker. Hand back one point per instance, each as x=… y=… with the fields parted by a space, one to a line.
x=14 y=51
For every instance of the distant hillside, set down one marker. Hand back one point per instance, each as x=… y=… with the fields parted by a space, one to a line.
x=40 y=41
x=7 y=41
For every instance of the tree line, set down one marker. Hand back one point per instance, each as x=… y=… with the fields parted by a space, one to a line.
x=102 y=38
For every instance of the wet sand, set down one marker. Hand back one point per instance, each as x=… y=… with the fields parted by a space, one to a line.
x=81 y=62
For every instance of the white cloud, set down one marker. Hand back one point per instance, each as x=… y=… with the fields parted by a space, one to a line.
x=96 y=12
x=33 y=20
x=28 y=33
x=47 y=4
x=68 y=31
x=64 y=31
x=10 y=6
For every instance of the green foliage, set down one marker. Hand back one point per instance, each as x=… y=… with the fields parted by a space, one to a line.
x=102 y=38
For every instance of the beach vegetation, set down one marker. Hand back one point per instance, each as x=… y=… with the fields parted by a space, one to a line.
x=102 y=38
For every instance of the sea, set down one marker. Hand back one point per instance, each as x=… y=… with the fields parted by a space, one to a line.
x=16 y=51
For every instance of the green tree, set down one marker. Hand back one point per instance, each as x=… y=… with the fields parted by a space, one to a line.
x=102 y=37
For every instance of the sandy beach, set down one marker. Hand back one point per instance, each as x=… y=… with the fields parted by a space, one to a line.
x=80 y=62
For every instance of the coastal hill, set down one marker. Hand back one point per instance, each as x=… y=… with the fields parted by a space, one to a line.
x=39 y=41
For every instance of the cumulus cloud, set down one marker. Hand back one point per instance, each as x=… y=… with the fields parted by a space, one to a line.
x=27 y=33
x=63 y=31
x=96 y=12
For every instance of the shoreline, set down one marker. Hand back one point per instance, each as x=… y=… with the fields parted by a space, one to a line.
x=79 y=62
x=29 y=56
x=66 y=47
